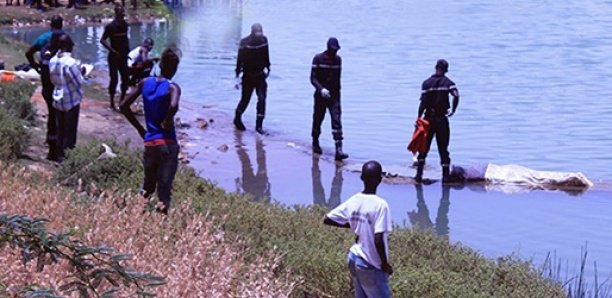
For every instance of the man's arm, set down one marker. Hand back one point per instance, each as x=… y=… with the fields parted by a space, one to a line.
x=239 y=60
x=124 y=106
x=175 y=95
x=332 y=223
x=30 y=56
x=313 y=75
x=455 y=94
x=379 y=242
x=104 y=41
x=267 y=57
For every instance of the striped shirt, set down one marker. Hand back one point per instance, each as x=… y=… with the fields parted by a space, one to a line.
x=66 y=73
x=326 y=71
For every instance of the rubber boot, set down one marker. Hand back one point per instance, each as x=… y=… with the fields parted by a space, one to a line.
x=419 y=173
x=238 y=121
x=445 y=173
x=259 y=125
x=315 y=146
x=339 y=154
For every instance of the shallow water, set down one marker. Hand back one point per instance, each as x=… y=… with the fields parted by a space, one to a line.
x=534 y=79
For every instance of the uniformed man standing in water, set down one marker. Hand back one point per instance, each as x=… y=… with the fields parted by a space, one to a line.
x=119 y=48
x=325 y=77
x=436 y=108
x=253 y=58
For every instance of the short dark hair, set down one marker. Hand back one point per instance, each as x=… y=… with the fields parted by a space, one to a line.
x=57 y=22
x=169 y=61
x=442 y=64
x=65 y=43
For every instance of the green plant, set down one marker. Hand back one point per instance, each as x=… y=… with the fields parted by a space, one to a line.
x=90 y=266
x=13 y=135
x=15 y=99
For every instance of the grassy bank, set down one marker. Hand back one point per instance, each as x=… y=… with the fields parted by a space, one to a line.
x=25 y=16
x=96 y=202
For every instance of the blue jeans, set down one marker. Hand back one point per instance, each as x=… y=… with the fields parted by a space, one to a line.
x=160 y=165
x=369 y=281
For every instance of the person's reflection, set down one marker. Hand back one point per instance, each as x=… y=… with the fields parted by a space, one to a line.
x=420 y=218
x=257 y=185
x=318 y=192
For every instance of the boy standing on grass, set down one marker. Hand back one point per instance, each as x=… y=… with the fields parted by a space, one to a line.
x=160 y=98
x=367 y=215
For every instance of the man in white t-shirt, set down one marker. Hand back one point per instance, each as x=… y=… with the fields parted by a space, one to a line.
x=139 y=63
x=367 y=215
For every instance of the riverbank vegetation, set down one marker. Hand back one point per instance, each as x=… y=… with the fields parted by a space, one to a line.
x=223 y=244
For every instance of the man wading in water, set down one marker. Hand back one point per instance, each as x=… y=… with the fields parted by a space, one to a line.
x=253 y=58
x=325 y=77
x=435 y=105
x=161 y=101
x=367 y=215
x=119 y=48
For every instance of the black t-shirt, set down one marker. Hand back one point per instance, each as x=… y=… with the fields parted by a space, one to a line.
x=434 y=94
x=117 y=31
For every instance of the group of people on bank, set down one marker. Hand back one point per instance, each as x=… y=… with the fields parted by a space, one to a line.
x=366 y=214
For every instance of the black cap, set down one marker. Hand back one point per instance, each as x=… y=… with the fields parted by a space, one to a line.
x=148 y=41
x=57 y=22
x=442 y=64
x=332 y=43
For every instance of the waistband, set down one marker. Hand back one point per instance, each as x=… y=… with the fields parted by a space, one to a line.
x=159 y=142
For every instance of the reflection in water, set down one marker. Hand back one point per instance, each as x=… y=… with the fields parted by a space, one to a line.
x=420 y=218
x=318 y=192
x=255 y=184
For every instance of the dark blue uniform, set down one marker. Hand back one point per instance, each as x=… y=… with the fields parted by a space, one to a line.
x=325 y=73
x=253 y=57
x=434 y=97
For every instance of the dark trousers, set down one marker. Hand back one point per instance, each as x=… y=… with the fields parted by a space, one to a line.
x=438 y=128
x=118 y=64
x=250 y=83
x=67 y=123
x=160 y=165
x=47 y=93
x=321 y=105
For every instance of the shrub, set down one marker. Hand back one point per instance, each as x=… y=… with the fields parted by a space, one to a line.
x=194 y=255
x=425 y=265
x=15 y=99
x=13 y=136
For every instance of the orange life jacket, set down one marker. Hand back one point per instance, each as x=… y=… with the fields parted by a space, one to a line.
x=418 y=142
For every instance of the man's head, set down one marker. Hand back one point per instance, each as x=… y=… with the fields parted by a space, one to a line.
x=257 y=29
x=57 y=22
x=148 y=43
x=119 y=12
x=441 y=66
x=168 y=63
x=371 y=174
x=65 y=43
x=333 y=46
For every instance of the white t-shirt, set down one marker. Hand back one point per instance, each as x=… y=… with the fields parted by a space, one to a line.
x=134 y=56
x=367 y=215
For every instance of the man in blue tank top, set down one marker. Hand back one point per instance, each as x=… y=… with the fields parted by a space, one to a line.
x=160 y=97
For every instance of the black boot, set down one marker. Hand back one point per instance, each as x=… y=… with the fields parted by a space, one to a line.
x=52 y=155
x=315 y=146
x=445 y=173
x=238 y=121
x=259 y=125
x=419 y=173
x=339 y=154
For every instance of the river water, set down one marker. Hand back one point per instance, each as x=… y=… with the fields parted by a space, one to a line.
x=534 y=78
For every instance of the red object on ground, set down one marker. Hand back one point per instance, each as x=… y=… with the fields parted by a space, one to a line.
x=7 y=76
x=418 y=142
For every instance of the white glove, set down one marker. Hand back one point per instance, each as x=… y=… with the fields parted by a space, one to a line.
x=325 y=93
x=237 y=83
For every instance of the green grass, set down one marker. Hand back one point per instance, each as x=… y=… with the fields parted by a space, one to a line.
x=425 y=265
x=16 y=113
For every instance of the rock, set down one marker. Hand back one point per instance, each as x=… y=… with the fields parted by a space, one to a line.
x=179 y=124
x=211 y=120
x=202 y=123
x=223 y=148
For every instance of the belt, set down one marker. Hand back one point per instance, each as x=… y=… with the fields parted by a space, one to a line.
x=159 y=142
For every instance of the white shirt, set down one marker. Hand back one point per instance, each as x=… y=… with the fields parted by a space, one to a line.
x=134 y=56
x=367 y=215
